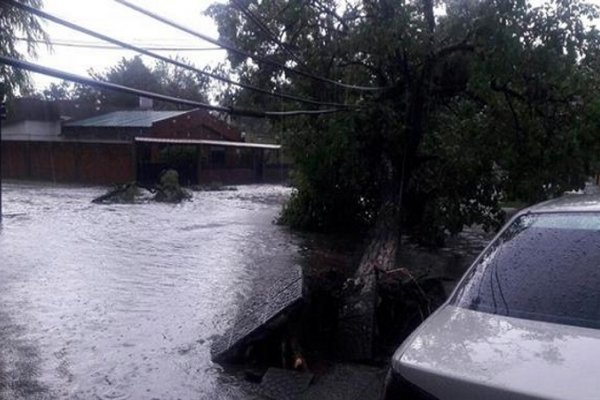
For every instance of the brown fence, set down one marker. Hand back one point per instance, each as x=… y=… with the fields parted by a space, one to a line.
x=72 y=162
x=109 y=163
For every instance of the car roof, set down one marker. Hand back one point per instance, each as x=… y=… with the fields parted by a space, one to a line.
x=567 y=203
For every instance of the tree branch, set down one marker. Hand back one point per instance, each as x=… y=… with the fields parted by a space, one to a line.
x=429 y=16
x=331 y=13
x=518 y=129
x=368 y=67
x=269 y=34
x=454 y=48
x=505 y=89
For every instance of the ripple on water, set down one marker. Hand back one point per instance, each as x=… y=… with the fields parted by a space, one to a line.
x=119 y=302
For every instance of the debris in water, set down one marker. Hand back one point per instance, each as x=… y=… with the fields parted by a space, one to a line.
x=128 y=193
x=261 y=316
x=169 y=190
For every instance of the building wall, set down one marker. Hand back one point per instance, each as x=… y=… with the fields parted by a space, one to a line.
x=72 y=162
x=30 y=129
x=276 y=173
x=240 y=176
x=123 y=134
x=228 y=176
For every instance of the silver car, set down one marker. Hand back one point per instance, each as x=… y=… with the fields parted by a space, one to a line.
x=524 y=322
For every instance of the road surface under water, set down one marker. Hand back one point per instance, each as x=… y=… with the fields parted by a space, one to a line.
x=123 y=301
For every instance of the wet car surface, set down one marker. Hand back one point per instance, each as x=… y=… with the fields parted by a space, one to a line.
x=123 y=301
x=523 y=323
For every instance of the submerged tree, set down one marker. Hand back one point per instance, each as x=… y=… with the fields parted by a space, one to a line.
x=484 y=100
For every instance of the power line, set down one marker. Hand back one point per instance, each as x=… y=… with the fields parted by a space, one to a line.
x=268 y=32
x=97 y=45
x=243 y=52
x=148 y=53
x=26 y=65
x=180 y=64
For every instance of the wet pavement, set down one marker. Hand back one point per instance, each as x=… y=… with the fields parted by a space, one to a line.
x=124 y=301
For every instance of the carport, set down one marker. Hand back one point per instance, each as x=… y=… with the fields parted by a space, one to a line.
x=201 y=161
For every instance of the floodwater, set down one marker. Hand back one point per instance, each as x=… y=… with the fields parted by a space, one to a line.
x=123 y=301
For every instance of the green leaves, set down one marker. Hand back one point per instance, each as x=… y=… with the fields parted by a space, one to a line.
x=16 y=24
x=499 y=101
x=160 y=77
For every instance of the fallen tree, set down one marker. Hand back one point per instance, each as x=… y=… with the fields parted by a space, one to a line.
x=492 y=100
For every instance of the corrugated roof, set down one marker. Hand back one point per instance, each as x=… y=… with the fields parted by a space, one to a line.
x=127 y=119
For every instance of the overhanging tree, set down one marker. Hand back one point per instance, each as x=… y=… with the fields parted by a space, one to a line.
x=488 y=100
x=17 y=29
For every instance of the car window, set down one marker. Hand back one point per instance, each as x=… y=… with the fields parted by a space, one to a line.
x=543 y=267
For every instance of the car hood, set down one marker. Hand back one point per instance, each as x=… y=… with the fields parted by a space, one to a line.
x=464 y=354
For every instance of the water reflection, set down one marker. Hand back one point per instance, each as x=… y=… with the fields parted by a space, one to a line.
x=484 y=345
x=542 y=267
x=491 y=351
x=122 y=301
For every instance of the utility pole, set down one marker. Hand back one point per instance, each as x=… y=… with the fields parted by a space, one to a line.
x=2 y=118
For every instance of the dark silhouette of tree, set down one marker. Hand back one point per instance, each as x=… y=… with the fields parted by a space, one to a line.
x=133 y=72
x=490 y=100
x=15 y=25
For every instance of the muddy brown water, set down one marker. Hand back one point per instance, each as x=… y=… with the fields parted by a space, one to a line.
x=123 y=301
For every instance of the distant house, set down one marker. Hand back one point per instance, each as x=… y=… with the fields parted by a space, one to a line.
x=32 y=119
x=127 y=125
x=63 y=142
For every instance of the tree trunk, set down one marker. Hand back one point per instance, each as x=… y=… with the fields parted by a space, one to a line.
x=357 y=324
x=357 y=328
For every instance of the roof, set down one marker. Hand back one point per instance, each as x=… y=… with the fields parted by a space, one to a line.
x=569 y=202
x=126 y=119
x=209 y=142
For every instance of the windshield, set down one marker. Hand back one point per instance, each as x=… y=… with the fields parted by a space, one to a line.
x=543 y=267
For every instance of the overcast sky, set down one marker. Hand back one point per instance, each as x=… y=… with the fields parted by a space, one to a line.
x=113 y=19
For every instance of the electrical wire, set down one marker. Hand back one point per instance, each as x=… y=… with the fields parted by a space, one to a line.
x=268 y=32
x=73 y=26
x=98 y=45
x=244 y=53
x=29 y=66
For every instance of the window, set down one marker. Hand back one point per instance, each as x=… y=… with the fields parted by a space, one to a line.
x=543 y=267
x=217 y=157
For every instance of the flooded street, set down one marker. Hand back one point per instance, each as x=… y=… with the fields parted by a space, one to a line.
x=123 y=301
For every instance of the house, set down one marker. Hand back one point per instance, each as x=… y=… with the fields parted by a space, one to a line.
x=126 y=125
x=31 y=119
x=33 y=147
x=58 y=142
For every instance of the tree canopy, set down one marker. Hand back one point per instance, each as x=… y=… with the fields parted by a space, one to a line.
x=18 y=29
x=485 y=101
x=133 y=72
